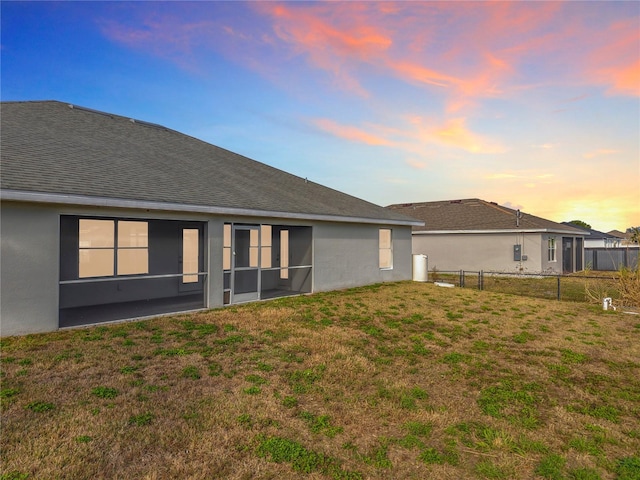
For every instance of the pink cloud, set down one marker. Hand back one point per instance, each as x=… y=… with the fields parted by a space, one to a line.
x=330 y=37
x=349 y=132
x=348 y=39
x=473 y=49
x=456 y=134
x=622 y=80
x=615 y=59
x=415 y=136
x=312 y=33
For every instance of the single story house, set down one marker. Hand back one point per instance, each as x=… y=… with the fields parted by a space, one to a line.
x=624 y=237
x=597 y=239
x=475 y=235
x=608 y=252
x=107 y=218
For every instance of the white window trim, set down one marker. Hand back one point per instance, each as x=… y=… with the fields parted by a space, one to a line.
x=552 y=247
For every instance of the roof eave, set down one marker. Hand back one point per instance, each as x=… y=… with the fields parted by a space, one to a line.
x=91 y=201
x=493 y=231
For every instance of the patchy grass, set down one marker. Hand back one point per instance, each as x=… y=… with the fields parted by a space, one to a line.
x=586 y=286
x=402 y=380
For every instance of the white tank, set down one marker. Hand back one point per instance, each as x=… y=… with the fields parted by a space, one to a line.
x=420 y=272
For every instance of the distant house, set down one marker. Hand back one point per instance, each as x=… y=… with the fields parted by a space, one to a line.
x=610 y=251
x=625 y=238
x=475 y=235
x=107 y=218
x=597 y=239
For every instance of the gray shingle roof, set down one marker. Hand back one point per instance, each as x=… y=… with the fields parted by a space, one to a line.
x=474 y=214
x=593 y=234
x=52 y=148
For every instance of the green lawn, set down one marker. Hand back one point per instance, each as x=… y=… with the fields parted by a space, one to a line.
x=402 y=380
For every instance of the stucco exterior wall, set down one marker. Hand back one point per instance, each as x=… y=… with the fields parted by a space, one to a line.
x=30 y=260
x=29 y=252
x=489 y=252
x=546 y=265
x=346 y=255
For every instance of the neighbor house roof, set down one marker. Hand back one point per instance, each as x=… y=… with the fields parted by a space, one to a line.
x=60 y=153
x=619 y=234
x=476 y=216
x=593 y=234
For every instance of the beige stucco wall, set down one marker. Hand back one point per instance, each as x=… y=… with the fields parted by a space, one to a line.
x=344 y=255
x=29 y=253
x=488 y=252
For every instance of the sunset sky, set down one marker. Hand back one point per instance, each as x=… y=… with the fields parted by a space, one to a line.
x=533 y=105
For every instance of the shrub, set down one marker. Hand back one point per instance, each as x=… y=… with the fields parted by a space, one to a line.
x=629 y=285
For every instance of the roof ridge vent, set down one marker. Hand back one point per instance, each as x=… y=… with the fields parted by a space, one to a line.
x=90 y=110
x=148 y=124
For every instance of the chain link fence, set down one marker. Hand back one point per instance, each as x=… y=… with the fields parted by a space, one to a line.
x=575 y=288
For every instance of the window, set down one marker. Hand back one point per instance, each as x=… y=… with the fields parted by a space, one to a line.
x=100 y=255
x=133 y=248
x=190 y=240
x=385 y=247
x=226 y=247
x=551 y=249
x=254 y=247
x=97 y=252
x=265 y=246
x=284 y=254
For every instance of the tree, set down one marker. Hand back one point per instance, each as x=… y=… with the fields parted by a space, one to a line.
x=635 y=234
x=580 y=223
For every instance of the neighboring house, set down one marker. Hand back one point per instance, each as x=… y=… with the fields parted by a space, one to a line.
x=606 y=252
x=107 y=218
x=476 y=235
x=625 y=238
x=597 y=239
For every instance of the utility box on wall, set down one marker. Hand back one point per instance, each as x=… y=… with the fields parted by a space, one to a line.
x=517 y=253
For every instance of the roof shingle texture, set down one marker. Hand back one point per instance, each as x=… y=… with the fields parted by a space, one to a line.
x=49 y=147
x=475 y=214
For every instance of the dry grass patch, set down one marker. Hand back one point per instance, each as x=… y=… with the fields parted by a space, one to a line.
x=401 y=380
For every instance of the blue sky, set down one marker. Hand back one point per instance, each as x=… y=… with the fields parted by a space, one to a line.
x=534 y=105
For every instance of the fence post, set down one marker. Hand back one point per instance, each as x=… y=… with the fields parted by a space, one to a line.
x=461 y=278
x=558 y=287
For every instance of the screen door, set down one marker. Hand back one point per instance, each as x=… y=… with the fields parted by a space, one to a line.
x=246 y=266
